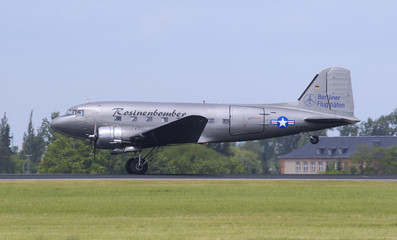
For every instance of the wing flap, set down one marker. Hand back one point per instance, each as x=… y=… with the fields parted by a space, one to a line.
x=185 y=130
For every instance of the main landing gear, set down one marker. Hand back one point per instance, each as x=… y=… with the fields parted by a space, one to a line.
x=136 y=165
x=139 y=164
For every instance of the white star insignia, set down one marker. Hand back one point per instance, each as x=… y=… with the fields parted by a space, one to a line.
x=283 y=123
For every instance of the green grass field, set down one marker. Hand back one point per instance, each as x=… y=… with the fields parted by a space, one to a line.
x=198 y=209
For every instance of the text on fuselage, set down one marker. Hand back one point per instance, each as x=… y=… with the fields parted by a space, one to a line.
x=155 y=113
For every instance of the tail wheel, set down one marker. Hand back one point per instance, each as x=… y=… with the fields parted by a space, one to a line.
x=314 y=139
x=133 y=166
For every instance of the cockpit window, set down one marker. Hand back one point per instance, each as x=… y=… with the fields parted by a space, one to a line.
x=75 y=112
x=71 y=112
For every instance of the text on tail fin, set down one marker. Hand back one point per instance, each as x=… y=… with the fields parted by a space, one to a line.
x=329 y=91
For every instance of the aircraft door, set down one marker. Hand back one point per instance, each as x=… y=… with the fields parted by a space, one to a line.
x=89 y=118
x=246 y=120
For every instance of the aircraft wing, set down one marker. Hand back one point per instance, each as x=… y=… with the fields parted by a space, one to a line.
x=185 y=130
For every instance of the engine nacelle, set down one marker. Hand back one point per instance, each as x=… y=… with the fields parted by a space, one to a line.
x=109 y=136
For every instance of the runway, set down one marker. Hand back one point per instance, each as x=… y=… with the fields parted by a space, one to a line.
x=193 y=177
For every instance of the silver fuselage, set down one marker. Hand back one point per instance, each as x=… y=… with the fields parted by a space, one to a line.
x=226 y=122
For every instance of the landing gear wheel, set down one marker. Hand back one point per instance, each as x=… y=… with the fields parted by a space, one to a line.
x=314 y=139
x=133 y=167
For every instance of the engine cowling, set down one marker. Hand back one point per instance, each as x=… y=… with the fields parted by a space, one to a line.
x=111 y=136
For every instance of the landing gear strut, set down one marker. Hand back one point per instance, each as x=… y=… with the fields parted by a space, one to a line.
x=138 y=164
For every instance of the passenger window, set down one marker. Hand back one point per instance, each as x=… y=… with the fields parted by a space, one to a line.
x=211 y=120
x=225 y=121
x=149 y=119
x=134 y=119
x=117 y=118
x=164 y=119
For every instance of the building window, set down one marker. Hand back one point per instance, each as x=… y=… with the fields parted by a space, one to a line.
x=320 y=166
x=313 y=169
x=335 y=165
x=305 y=167
x=320 y=151
x=117 y=118
x=331 y=151
x=149 y=119
x=298 y=166
x=134 y=119
x=164 y=119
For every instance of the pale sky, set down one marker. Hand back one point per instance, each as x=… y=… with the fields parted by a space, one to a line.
x=55 y=54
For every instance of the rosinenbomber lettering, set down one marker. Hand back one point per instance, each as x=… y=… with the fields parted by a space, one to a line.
x=155 y=113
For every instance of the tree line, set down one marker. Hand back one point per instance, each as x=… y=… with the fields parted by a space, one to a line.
x=45 y=151
x=370 y=159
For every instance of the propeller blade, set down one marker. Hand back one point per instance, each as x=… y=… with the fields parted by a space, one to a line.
x=95 y=138
x=91 y=146
x=94 y=151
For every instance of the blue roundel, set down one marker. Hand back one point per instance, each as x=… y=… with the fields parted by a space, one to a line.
x=282 y=122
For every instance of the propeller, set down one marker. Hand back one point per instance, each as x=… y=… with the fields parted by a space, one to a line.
x=93 y=138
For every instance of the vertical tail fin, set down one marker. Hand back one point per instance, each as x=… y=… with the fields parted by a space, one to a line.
x=330 y=92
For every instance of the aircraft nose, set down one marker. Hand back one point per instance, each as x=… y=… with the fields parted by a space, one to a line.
x=57 y=124
x=69 y=126
x=64 y=125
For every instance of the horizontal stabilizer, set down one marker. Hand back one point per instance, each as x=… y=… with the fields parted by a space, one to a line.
x=332 y=120
x=185 y=130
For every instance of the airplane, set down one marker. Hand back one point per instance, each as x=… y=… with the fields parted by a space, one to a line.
x=124 y=127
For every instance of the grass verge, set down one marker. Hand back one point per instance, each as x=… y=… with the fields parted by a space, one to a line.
x=196 y=209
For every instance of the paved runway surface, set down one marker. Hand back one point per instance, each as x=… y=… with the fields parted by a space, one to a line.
x=193 y=177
